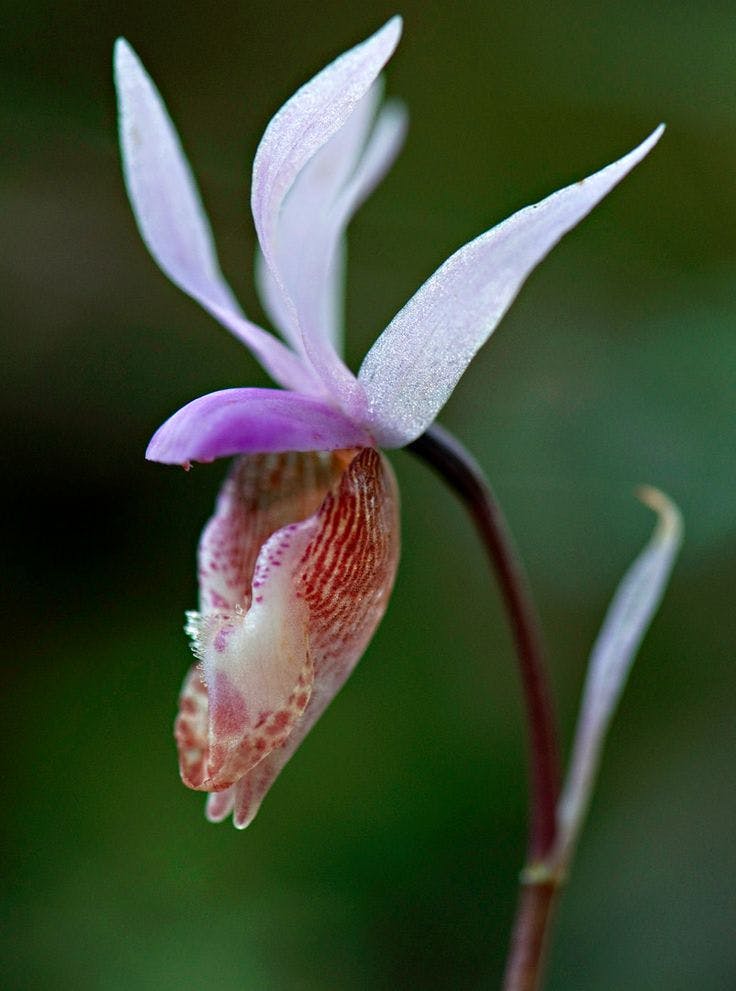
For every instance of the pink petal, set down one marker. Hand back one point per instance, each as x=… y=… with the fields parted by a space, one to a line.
x=172 y=220
x=303 y=125
x=313 y=219
x=220 y=804
x=281 y=627
x=244 y=421
x=411 y=370
x=311 y=237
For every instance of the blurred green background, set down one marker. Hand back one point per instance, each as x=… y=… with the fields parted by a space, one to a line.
x=387 y=854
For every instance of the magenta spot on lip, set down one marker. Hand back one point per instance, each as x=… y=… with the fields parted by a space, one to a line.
x=220 y=642
x=229 y=711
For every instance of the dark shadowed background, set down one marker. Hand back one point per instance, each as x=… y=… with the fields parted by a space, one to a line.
x=387 y=854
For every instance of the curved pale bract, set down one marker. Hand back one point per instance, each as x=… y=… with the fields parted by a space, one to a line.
x=172 y=221
x=250 y=421
x=411 y=370
x=282 y=634
x=301 y=127
x=627 y=620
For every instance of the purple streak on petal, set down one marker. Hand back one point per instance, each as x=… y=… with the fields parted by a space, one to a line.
x=250 y=421
x=411 y=370
x=303 y=125
x=171 y=217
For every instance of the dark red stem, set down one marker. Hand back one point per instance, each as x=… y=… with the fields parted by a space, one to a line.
x=529 y=939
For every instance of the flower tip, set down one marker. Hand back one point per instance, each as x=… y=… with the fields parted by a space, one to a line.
x=151 y=453
x=123 y=56
x=670 y=519
x=627 y=163
x=156 y=451
x=391 y=30
x=658 y=132
x=648 y=143
x=127 y=70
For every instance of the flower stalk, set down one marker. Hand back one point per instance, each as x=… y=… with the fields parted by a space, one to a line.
x=530 y=936
x=444 y=453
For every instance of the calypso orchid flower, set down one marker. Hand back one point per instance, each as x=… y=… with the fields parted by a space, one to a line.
x=297 y=564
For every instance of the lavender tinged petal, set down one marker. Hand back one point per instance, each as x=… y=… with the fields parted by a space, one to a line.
x=308 y=120
x=171 y=218
x=628 y=618
x=301 y=218
x=312 y=227
x=303 y=125
x=161 y=186
x=413 y=367
x=250 y=421
x=319 y=288
x=311 y=234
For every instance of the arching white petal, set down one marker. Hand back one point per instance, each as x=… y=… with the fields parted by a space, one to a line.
x=411 y=370
x=171 y=218
x=303 y=125
x=301 y=218
x=318 y=280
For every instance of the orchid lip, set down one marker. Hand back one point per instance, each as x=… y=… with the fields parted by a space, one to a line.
x=295 y=571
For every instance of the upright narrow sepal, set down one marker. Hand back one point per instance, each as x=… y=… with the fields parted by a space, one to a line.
x=413 y=367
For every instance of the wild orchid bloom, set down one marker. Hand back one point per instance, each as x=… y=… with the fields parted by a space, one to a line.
x=297 y=563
